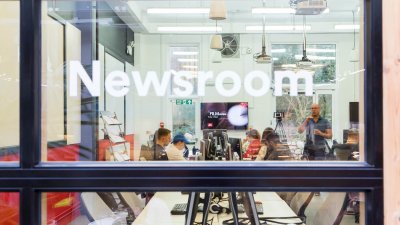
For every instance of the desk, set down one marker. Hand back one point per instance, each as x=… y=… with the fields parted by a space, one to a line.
x=158 y=209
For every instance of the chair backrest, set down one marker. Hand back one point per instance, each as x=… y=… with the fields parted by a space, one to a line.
x=133 y=202
x=300 y=202
x=332 y=210
x=95 y=207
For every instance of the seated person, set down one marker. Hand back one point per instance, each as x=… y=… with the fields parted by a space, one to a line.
x=176 y=149
x=245 y=142
x=278 y=151
x=265 y=150
x=162 y=138
x=254 y=146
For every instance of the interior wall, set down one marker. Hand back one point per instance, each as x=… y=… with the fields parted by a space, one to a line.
x=52 y=79
x=73 y=52
x=153 y=57
x=9 y=74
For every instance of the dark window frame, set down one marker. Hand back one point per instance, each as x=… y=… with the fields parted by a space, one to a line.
x=32 y=177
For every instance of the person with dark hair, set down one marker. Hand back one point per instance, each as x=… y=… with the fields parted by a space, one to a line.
x=254 y=146
x=318 y=129
x=176 y=149
x=162 y=138
x=278 y=151
x=264 y=151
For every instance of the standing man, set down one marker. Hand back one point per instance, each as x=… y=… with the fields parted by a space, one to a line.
x=175 y=150
x=162 y=139
x=318 y=129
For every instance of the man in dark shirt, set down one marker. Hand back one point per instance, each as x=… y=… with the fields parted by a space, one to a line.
x=317 y=129
x=162 y=139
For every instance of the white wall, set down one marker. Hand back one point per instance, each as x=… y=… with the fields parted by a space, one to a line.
x=151 y=55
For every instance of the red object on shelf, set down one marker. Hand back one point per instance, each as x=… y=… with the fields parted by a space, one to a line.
x=104 y=144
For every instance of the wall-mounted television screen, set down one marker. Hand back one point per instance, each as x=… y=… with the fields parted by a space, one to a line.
x=224 y=115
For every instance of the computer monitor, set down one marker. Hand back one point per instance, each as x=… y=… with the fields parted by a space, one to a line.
x=219 y=141
x=205 y=145
x=236 y=145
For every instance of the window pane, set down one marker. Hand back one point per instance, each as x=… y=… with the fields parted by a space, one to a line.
x=116 y=72
x=172 y=207
x=9 y=81
x=9 y=208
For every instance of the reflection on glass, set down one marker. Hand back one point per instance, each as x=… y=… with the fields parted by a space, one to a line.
x=9 y=208
x=189 y=208
x=111 y=82
x=9 y=80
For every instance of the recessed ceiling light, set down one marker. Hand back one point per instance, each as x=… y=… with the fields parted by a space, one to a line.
x=273 y=10
x=178 y=10
x=189 y=67
x=278 y=50
x=185 y=53
x=277 y=28
x=347 y=27
x=190 y=29
x=320 y=50
x=187 y=60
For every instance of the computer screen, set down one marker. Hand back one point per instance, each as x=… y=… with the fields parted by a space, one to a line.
x=224 y=115
x=219 y=142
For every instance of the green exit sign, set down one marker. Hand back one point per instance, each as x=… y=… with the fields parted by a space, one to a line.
x=184 y=101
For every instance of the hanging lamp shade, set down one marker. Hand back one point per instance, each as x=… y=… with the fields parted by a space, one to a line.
x=216 y=42
x=217 y=10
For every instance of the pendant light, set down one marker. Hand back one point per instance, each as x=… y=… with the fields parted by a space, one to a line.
x=217 y=10
x=353 y=55
x=216 y=40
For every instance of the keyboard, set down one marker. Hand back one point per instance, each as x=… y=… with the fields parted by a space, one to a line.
x=179 y=209
x=259 y=207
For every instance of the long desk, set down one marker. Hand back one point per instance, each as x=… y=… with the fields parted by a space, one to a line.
x=158 y=209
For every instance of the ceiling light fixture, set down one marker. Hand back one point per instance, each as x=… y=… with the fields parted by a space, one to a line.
x=185 y=53
x=189 y=29
x=278 y=28
x=217 y=10
x=262 y=56
x=347 y=27
x=353 y=55
x=189 y=67
x=187 y=60
x=178 y=10
x=273 y=11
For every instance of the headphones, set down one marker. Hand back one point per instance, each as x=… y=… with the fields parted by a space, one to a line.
x=216 y=208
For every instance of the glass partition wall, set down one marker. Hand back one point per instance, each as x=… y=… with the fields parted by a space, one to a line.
x=141 y=110
x=149 y=67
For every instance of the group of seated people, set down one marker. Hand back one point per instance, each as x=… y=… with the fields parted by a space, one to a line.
x=167 y=148
x=266 y=147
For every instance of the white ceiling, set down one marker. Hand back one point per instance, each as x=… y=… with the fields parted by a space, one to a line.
x=239 y=15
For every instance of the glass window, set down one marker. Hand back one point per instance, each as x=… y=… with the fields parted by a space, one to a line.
x=9 y=208
x=9 y=81
x=118 y=72
x=191 y=208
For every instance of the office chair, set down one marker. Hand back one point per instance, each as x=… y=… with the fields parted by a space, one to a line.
x=332 y=210
x=300 y=202
x=95 y=207
x=133 y=202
